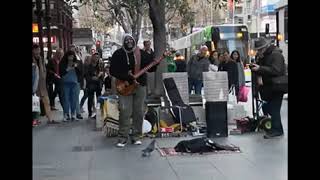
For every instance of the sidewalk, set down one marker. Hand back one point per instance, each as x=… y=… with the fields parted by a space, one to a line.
x=74 y=151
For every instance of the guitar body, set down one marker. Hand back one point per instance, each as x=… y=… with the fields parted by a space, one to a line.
x=124 y=88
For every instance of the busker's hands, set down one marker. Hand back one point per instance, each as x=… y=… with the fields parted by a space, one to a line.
x=132 y=79
x=254 y=67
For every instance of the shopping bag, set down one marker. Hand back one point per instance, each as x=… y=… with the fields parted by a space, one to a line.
x=146 y=126
x=243 y=94
x=232 y=98
x=35 y=103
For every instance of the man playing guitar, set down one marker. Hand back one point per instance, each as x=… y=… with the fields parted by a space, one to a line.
x=128 y=65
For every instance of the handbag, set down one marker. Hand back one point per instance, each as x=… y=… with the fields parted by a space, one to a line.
x=35 y=103
x=280 y=84
x=243 y=94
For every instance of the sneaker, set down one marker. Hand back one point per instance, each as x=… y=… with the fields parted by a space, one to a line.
x=94 y=115
x=54 y=109
x=136 y=142
x=34 y=123
x=66 y=118
x=73 y=118
x=272 y=135
x=121 y=143
x=53 y=122
x=79 y=116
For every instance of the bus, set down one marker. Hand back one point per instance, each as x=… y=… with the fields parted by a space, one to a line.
x=217 y=37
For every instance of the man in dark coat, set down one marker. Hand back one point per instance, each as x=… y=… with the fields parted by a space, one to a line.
x=270 y=65
x=126 y=61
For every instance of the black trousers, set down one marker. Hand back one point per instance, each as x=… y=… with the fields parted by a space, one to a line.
x=273 y=108
x=84 y=97
x=53 y=92
x=93 y=88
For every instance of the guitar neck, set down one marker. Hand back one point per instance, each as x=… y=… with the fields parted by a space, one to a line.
x=145 y=69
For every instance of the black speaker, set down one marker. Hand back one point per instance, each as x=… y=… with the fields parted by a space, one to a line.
x=216 y=118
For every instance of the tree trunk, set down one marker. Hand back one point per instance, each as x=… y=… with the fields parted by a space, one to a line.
x=157 y=16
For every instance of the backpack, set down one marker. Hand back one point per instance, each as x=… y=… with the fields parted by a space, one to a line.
x=151 y=116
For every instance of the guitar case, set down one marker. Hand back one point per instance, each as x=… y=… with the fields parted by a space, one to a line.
x=174 y=99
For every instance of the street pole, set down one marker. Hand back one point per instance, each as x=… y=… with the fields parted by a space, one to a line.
x=39 y=14
x=48 y=18
x=258 y=19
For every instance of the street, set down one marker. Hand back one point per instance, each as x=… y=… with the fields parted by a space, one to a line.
x=74 y=151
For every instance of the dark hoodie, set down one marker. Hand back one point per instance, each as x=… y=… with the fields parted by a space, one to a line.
x=271 y=65
x=119 y=67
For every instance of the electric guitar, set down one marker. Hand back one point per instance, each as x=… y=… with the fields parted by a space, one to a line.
x=125 y=89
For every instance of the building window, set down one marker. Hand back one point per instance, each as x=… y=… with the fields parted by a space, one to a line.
x=286 y=24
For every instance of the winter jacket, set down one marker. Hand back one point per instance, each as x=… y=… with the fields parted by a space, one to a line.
x=232 y=69
x=78 y=70
x=271 y=65
x=196 y=66
x=52 y=67
x=94 y=70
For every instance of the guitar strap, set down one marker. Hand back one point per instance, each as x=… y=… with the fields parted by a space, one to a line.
x=137 y=58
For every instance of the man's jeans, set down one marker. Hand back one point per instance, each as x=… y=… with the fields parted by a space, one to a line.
x=197 y=84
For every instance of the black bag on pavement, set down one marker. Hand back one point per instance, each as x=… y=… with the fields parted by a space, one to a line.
x=201 y=145
x=151 y=116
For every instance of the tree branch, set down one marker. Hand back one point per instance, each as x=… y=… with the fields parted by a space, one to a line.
x=173 y=15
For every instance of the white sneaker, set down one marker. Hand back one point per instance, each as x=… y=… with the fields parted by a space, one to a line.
x=93 y=115
x=65 y=118
x=121 y=143
x=138 y=142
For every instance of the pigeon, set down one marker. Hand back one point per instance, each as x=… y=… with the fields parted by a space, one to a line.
x=147 y=151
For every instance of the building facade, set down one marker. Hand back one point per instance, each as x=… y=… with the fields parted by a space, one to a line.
x=60 y=25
